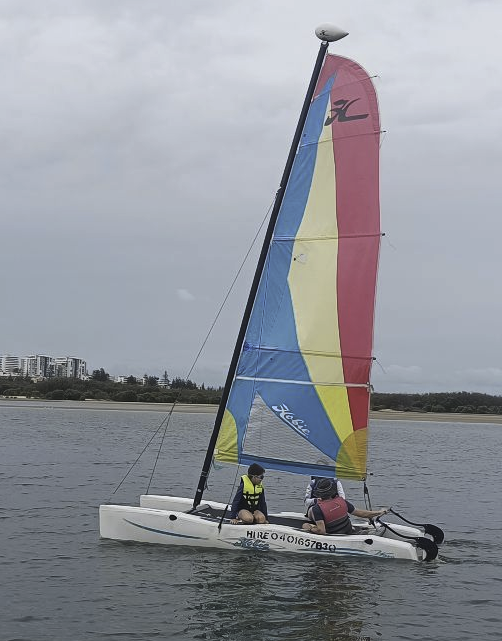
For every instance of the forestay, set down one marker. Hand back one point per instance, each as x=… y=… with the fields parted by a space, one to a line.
x=299 y=400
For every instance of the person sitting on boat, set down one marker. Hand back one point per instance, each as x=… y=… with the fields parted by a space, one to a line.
x=249 y=504
x=330 y=515
x=310 y=493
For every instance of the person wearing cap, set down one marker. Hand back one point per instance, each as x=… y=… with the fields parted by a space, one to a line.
x=330 y=515
x=310 y=493
x=249 y=504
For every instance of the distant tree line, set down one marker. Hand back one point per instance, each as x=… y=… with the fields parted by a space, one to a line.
x=457 y=402
x=100 y=387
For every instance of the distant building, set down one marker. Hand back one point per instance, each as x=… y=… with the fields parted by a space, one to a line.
x=164 y=380
x=39 y=366
x=125 y=379
x=70 y=367
x=10 y=365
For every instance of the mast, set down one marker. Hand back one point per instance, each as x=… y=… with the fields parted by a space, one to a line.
x=327 y=34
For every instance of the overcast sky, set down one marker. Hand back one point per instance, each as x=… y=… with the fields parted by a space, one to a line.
x=142 y=144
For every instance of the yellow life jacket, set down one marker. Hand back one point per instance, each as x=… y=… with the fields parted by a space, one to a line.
x=251 y=493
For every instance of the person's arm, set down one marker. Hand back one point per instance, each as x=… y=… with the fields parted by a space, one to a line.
x=318 y=528
x=262 y=505
x=339 y=489
x=369 y=514
x=315 y=514
x=308 y=500
x=234 y=510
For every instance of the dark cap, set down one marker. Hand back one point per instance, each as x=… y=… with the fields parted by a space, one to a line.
x=255 y=470
x=325 y=489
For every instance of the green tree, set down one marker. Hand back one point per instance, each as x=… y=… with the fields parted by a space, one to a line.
x=181 y=383
x=100 y=375
x=73 y=395
x=56 y=395
x=128 y=396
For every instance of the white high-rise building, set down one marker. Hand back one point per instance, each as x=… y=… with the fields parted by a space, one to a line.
x=70 y=367
x=10 y=365
x=38 y=366
x=43 y=366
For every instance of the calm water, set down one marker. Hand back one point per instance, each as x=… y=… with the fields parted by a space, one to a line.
x=60 y=582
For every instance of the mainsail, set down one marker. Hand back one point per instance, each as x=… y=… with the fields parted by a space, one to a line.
x=299 y=400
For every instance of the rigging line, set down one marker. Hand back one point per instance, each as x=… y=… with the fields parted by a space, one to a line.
x=230 y=288
x=367 y=497
x=167 y=421
x=142 y=452
x=168 y=418
x=380 y=366
x=232 y=491
x=389 y=243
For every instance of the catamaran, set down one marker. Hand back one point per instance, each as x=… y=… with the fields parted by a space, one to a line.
x=297 y=394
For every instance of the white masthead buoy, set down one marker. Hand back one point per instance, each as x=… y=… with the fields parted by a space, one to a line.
x=330 y=33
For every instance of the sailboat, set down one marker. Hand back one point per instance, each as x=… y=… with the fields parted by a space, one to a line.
x=297 y=394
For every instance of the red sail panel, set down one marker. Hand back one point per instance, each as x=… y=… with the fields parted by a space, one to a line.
x=356 y=136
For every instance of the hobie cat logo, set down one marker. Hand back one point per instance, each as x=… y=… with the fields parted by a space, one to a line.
x=339 y=112
x=288 y=417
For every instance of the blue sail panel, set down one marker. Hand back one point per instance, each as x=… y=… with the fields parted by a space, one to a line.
x=299 y=400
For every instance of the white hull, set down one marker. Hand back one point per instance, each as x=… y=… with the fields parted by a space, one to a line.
x=164 y=520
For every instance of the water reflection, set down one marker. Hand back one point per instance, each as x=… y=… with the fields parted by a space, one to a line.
x=265 y=597
x=61 y=582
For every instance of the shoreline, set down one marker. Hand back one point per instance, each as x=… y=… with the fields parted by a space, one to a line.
x=193 y=408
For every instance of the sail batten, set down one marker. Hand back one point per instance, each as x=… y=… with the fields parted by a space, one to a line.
x=307 y=239
x=299 y=400
x=296 y=382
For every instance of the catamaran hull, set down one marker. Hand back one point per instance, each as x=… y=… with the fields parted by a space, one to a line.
x=182 y=504
x=176 y=527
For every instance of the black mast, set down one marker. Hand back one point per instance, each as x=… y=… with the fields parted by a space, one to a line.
x=259 y=269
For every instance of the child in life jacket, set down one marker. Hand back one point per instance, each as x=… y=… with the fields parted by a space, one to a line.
x=249 y=504
x=310 y=493
x=330 y=515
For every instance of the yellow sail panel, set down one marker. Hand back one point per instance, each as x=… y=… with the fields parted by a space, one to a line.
x=226 y=445
x=351 y=459
x=312 y=278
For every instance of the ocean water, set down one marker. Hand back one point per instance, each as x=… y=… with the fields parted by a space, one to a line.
x=59 y=581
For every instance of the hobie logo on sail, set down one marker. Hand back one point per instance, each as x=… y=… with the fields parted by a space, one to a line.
x=288 y=417
x=339 y=112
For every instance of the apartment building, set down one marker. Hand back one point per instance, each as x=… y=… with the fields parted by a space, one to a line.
x=43 y=366
x=10 y=365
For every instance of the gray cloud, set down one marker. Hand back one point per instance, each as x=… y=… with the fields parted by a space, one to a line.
x=142 y=144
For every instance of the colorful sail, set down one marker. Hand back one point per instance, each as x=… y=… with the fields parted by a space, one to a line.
x=299 y=401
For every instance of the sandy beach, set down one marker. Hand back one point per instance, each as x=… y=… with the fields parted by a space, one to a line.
x=111 y=406
x=392 y=415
